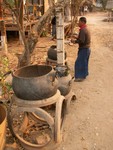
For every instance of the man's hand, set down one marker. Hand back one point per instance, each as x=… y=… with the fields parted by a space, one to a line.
x=75 y=35
x=72 y=40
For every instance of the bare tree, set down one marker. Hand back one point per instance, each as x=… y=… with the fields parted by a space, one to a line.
x=75 y=5
x=30 y=43
x=15 y=8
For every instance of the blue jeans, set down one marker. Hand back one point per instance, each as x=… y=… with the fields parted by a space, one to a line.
x=81 y=63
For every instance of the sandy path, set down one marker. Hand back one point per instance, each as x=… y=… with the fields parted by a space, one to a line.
x=89 y=125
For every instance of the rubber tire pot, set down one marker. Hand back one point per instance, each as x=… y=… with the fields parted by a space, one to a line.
x=35 y=82
x=52 y=53
x=65 y=84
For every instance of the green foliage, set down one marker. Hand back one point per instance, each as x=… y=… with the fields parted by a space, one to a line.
x=11 y=2
x=4 y=68
x=44 y=33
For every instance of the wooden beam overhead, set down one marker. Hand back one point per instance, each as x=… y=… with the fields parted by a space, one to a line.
x=1 y=10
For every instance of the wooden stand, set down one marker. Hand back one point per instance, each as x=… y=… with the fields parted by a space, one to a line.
x=54 y=62
x=35 y=109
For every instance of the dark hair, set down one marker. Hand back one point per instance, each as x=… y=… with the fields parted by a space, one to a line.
x=83 y=19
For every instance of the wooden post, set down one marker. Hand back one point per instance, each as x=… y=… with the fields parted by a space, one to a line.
x=2 y=29
x=3 y=36
x=20 y=6
x=60 y=36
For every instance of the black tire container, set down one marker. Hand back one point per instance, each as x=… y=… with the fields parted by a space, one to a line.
x=52 y=53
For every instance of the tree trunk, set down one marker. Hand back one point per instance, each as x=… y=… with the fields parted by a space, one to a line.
x=33 y=37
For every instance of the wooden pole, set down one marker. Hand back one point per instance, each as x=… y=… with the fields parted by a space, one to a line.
x=3 y=36
x=60 y=36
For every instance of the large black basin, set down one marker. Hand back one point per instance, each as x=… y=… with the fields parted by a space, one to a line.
x=34 y=82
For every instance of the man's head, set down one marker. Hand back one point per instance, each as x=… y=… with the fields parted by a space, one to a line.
x=82 y=21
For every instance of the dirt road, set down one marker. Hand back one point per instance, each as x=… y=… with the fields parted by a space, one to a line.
x=89 y=125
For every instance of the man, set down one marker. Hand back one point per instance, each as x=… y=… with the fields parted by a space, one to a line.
x=83 y=40
x=53 y=22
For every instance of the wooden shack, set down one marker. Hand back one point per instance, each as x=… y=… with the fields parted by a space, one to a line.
x=31 y=11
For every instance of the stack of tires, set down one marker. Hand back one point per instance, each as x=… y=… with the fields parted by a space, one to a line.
x=64 y=80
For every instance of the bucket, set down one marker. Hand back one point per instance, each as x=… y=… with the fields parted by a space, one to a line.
x=3 y=115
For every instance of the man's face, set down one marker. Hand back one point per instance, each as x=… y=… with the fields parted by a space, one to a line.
x=80 y=23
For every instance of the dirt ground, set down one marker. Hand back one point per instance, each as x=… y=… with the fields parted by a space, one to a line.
x=89 y=124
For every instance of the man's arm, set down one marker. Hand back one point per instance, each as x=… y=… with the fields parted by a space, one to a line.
x=80 y=39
